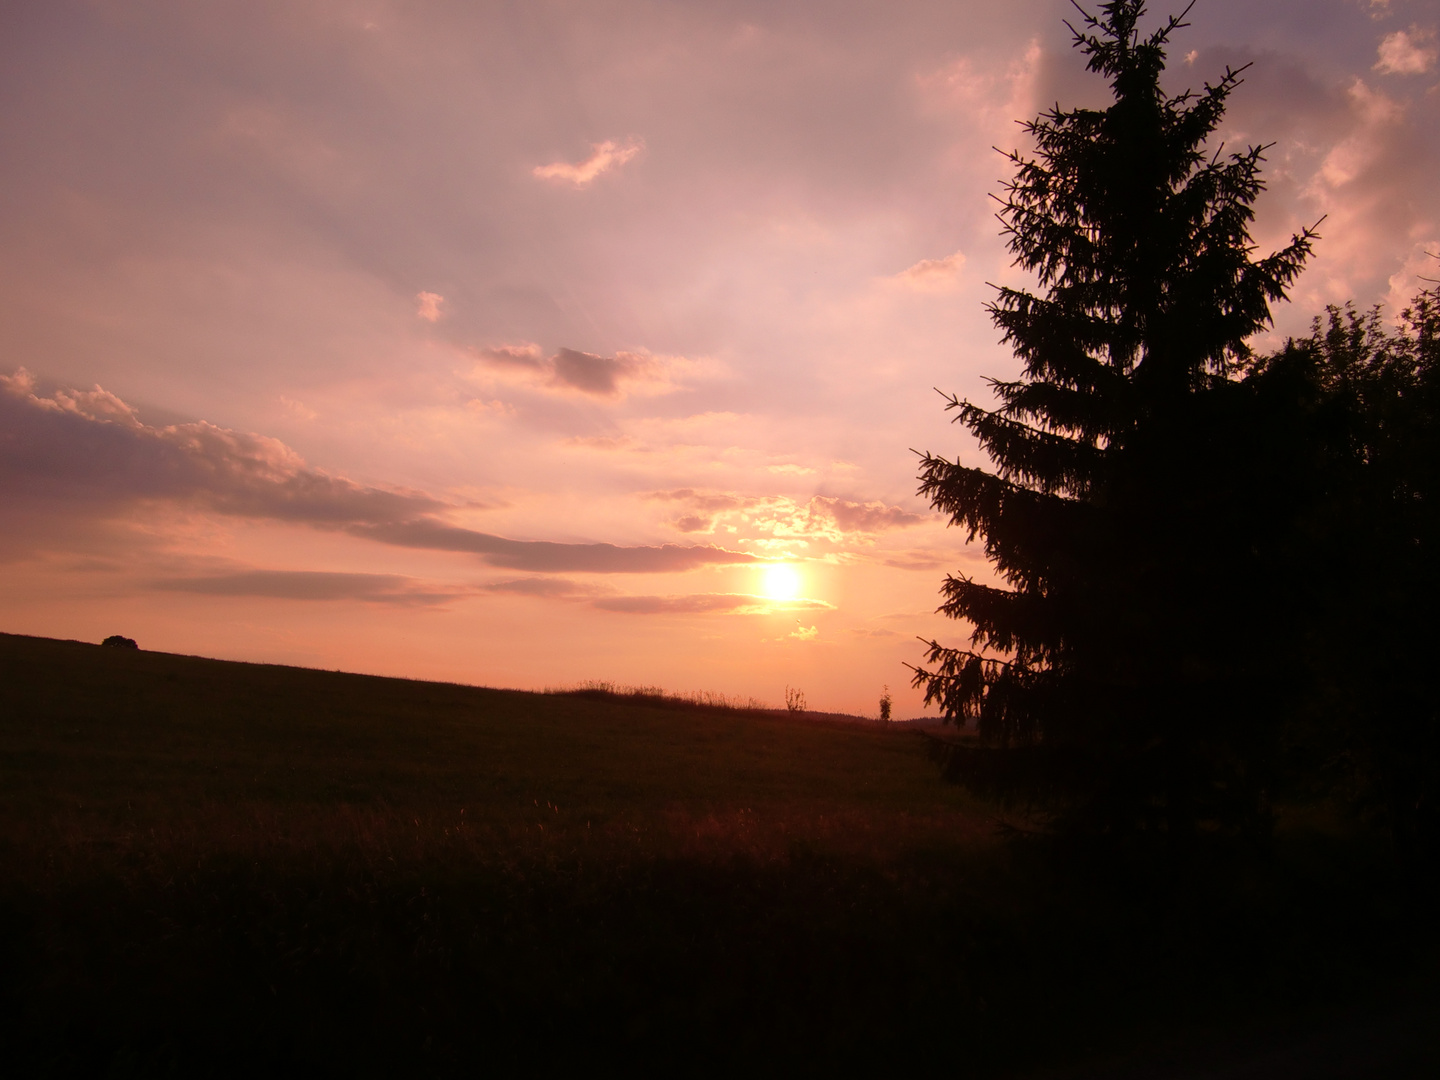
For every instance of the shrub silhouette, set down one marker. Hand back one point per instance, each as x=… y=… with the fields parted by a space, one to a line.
x=116 y=641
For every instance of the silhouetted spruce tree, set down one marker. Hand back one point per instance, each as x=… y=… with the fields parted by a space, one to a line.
x=1125 y=676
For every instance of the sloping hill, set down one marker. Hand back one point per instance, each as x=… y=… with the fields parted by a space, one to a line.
x=104 y=736
x=214 y=868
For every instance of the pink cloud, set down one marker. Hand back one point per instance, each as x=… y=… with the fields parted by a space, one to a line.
x=525 y=357
x=546 y=587
x=821 y=517
x=573 y=371
x=314 y=585
x=90 y=453
x=868 y=517
x=606 y=155
x=1405 y=52
x=933 y=275
x=429 y=302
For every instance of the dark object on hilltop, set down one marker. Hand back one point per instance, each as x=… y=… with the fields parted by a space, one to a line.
x=1126 y=683
x=115 y=641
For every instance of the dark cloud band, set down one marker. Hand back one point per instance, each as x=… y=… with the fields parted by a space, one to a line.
x=545 y=556
x=88 y=452
x=311 y=585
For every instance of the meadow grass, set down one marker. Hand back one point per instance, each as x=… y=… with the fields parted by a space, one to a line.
x=218 y=868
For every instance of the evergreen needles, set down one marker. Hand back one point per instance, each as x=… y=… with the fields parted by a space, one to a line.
x=1121 y=681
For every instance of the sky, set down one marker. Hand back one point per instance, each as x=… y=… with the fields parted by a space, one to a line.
x=528 y=344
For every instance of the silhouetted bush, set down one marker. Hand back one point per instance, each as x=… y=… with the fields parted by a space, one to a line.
x=116 y=641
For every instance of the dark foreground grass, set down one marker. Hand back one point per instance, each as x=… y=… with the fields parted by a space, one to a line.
x=229 y=869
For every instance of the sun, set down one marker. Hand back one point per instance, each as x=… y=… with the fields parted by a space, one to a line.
x=781 y=581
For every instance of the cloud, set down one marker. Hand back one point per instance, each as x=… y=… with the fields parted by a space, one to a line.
x=90 y=448
x=1344 y=149
x=88 y=452
x=702 y=603
x=524 y=357
x=869 y=517
x=988 y=96
x=556 y=588
x=312 y=585
x=429 y=302
x=922 y=560
x=1419 y=271
x=1404 y=52
x=823 y=517
x=546 y=556
x=591 y=374
x=933 y=275
x=571 y=370
x=606 y=155
x=805 y=633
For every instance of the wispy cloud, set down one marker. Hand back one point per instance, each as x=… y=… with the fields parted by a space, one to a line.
x=546 y=587
x=933 y=275
x=313 y=585
x=605 y=156
x=545 y=556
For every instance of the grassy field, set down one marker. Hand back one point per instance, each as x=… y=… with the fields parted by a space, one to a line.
x=220 y=868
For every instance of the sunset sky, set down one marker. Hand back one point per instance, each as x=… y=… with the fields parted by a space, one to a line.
x=514 y=343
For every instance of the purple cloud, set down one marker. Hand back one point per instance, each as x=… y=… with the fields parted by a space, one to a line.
x=88 y=449
x=582 y=372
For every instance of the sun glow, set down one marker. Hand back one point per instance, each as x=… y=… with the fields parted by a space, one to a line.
x=780 y=581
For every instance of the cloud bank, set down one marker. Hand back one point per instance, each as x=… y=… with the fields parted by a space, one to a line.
x=89 y=452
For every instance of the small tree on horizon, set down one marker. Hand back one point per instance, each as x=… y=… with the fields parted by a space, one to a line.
x=1118 y=677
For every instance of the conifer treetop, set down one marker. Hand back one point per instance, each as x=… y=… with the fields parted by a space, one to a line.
x=1138 y=236
x=1148 y=287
